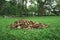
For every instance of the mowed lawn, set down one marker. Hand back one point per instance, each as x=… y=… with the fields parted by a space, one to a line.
x=50 y=33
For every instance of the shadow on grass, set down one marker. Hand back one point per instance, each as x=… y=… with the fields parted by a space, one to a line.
x=6 y=36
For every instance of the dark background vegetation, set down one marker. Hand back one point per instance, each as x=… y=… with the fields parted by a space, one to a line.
x=19 y=7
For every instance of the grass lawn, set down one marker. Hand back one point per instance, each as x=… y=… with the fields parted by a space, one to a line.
x=50 y=33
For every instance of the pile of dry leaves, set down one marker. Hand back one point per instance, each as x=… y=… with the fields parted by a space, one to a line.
x=25 y=24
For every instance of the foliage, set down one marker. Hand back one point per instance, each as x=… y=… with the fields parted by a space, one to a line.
x=8 y=9
x=19 y=7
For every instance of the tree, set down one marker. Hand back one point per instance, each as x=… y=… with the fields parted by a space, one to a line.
x=41 y=9
x=8 y=9
x=2 y=2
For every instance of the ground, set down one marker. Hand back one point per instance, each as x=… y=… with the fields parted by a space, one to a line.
x=50 y=33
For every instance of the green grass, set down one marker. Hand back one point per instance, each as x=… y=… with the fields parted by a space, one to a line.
x=50 y=33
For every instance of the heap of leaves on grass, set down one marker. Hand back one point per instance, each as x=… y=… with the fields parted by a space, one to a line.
x=25 y=24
